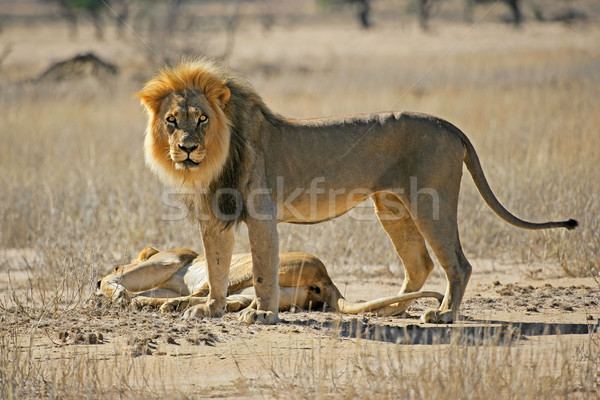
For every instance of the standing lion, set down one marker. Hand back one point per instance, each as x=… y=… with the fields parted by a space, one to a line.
x=210 y=133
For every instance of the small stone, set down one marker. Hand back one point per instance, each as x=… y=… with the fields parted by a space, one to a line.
x=92 y=338
x=63 y=336
x=171 y=340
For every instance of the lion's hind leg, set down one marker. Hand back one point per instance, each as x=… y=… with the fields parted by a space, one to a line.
x=441 y=232
x=409 y=244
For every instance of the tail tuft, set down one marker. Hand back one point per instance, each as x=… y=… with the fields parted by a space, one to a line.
x=571 y=224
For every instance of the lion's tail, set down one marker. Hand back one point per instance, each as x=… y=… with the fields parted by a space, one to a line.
x=347 y=307
x=474 y=166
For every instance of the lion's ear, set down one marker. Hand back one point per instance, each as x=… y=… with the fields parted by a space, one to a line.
x=147 y=253
x=223 y=95
x=151 y=104
x=152 y=97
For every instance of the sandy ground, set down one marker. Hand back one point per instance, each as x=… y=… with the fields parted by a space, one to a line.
x=215 y=356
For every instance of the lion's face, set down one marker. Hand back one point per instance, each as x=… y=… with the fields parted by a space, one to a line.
x=186 y=120
x=187 y=140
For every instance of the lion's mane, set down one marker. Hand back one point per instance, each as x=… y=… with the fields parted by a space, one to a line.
x=233 y=101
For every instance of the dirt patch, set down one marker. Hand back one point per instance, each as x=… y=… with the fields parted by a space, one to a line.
x=217 y=353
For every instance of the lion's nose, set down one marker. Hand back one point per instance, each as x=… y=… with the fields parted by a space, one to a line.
x=188 y=149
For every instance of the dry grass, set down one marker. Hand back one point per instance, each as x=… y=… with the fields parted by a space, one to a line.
x=305 y=368
x=75 y=192
x=452 y=371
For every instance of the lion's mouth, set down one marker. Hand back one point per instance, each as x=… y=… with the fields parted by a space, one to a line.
x=187 y=164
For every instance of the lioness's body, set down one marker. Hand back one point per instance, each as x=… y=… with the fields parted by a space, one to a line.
x=210 y=132
x=173 y=279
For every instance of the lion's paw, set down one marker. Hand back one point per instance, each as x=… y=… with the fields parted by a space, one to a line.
x=173 y=305
x=121 y=298
x=138 y=303
x=252 y=316
x=437 y=317
x=202 y=311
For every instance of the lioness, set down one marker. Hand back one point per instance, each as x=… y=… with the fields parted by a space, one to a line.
x=176 y=279
x=211 y=134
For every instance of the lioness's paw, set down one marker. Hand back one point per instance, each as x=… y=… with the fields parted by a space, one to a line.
x=234 y=306
x=137 y=303
x=202 y=311
x=121 y=298
x=173 y=305
x=252 y=316
x=437 y=317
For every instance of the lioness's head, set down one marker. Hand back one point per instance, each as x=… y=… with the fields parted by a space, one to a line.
x=187 y=138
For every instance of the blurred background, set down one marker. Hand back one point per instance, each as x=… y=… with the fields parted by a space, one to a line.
x=520 y=77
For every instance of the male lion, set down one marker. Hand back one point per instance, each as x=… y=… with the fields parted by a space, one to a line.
x=210 y=133
x=176 y=279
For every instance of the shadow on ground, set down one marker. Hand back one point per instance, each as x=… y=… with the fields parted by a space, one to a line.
x=469 y=333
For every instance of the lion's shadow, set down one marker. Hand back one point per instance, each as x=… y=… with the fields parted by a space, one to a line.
x=473 y=332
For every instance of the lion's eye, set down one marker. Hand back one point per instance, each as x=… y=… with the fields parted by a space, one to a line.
x=171 y=119
x=203 y=118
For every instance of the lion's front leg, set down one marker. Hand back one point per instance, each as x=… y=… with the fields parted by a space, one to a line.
x=218 y=248
x=264 y=242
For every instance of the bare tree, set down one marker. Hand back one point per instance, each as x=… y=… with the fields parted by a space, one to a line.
x=122 y=10
x=231 y=25
x=71 y=9
x=364 y=13
x=425 y=10
x=515 y=8
x=363 y=9
x=514 y=5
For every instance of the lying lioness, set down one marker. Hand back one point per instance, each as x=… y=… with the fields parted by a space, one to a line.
x=177 y=279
